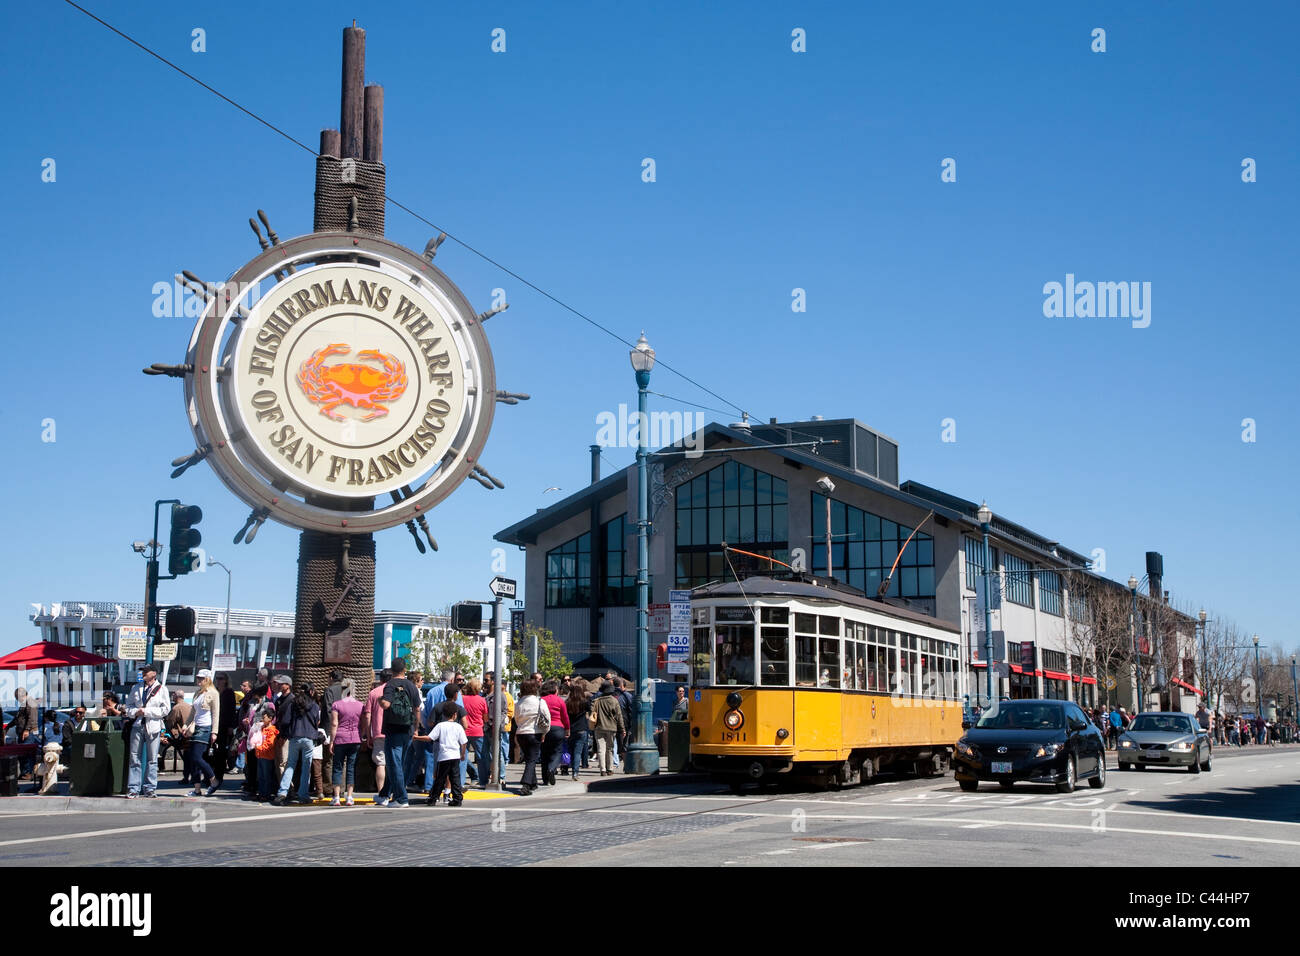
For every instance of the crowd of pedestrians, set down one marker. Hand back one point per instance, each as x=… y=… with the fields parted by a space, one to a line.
x=297 y=743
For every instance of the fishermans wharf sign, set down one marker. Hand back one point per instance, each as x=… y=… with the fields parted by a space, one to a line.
x=334 y=369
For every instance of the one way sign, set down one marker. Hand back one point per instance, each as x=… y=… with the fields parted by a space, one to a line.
x=502 y=587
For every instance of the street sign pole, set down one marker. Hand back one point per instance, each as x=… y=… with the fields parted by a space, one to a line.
x=497 y=693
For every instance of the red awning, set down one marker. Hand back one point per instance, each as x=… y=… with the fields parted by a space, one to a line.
x=49 y=654
x=1056 y=675
x=1089 y=680
x=1194 y=690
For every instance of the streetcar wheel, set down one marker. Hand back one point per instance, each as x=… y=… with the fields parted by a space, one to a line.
x=970 y=786
x=1067 y=785
x=1099 y=781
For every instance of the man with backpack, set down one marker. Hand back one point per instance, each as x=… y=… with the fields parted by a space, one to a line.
x=400 y=703
x=628 y=705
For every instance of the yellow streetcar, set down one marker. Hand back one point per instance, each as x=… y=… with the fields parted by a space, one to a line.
x=810 y=677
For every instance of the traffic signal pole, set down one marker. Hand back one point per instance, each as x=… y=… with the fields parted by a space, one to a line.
x=151 y=579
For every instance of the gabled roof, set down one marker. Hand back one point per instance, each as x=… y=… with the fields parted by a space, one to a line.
x=525 y=532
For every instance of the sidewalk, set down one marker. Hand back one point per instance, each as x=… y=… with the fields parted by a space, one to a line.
x=172 y=795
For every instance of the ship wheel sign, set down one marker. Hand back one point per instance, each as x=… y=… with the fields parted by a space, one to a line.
x=339 y=382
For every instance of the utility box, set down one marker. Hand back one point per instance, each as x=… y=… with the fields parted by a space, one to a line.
x=97 y=761
x=678 y=734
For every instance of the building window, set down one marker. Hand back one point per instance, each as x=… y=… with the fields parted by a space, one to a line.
x=618 y=581
x=1078 y=604
x=1054 y=661
x=732 y=503
x=863 y=549
x=568 y=573
x=1020 y=580
x=974 y=561
x=1049 y=593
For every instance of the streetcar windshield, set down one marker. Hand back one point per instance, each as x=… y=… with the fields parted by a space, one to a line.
x=1013 y=715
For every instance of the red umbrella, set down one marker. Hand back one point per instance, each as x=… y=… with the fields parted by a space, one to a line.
x=44 y=654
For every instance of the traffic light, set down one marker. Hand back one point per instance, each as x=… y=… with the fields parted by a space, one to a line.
x=180 y=623
x=467 y=618
x=184 y=538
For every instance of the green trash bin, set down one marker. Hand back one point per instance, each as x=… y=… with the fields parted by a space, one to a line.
x=97 y=761
x=679 y=745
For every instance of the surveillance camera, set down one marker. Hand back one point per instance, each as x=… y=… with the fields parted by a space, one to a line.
x=139 y=547
x=826 y=484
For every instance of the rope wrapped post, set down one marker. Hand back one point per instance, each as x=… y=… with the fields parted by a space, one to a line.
x=336 y=572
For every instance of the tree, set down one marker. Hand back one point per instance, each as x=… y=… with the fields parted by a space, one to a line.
x=435 y=647
x=1098 y=628
x=551 y=662
x=1223 y=661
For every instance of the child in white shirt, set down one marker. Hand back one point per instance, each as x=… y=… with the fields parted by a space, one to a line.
x=448 y=740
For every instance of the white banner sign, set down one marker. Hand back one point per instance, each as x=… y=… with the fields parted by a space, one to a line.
x=132 y=643
x=224 y=662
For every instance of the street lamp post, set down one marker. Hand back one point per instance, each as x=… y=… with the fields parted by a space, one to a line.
x=1295 y=697
x=1259 y=690
x=642 y=755
x=225 y=638
x=827 y=486
x=985 y=516
x=1205 y=657
x=1137 y=661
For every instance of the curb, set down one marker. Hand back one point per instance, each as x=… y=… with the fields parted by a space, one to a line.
x=620 y=782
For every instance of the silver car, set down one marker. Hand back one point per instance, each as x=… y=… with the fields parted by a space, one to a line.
x=1164 y=739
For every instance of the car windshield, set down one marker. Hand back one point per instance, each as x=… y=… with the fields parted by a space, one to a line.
x=1015 y=715
x=1159 y=724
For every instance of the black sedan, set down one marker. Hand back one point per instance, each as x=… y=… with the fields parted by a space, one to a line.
x=1031 y=741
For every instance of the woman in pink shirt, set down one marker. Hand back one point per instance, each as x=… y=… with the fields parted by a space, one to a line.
x=345 y=731
x=553 y=742
x=475 y=715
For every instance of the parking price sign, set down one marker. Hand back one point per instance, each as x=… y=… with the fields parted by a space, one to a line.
x=679 y=633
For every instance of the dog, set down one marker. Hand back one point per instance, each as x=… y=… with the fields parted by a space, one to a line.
x=50 y=768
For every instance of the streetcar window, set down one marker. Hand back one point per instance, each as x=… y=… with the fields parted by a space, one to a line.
x=828 y=625
x=857 y=665
x=805 y=661
x=774 y=654
x=892 y=680
x=828 y=664
x=735 y=644
x=805 y=623
x=776 y=615
x=701 y=653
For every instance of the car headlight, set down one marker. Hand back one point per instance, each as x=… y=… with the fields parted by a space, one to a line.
x=1125 y=743
x=1048 y=750
x=964 y=747
x=1181 y=747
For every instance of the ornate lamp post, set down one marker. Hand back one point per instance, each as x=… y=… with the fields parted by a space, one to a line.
x=642 y=756
x=1137 y=661
x=985 y=516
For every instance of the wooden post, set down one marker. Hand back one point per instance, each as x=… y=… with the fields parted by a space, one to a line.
x=330 y=142
x=352 y=103
x=373 y=149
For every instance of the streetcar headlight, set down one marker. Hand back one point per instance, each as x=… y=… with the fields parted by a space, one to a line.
x=733 y=719
x=733 y=700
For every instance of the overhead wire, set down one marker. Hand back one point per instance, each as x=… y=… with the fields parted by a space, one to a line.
x=407 y=209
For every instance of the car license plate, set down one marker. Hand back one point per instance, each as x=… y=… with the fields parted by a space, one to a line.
x=1002 y=766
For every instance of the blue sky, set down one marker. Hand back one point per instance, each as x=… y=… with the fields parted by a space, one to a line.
x=775 y=170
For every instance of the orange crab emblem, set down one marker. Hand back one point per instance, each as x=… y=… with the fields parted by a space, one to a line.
x=351 y=383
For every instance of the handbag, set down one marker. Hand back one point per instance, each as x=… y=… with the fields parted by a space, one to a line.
x=591 y=717
x=566 y=755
